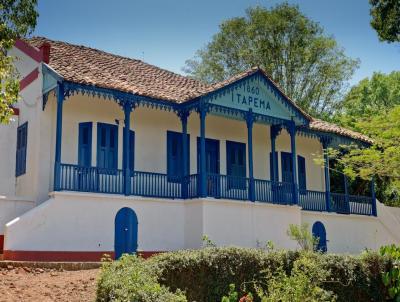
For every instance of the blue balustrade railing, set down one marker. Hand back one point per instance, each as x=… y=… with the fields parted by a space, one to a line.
x=193 y=186
x=340 y=203
x=227 y=187
x=273 y=192
x=312 y=200
x=361 y=205
x=91 y=179
x=149 y=184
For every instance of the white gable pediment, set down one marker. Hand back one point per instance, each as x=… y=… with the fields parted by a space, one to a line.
x=255 y=92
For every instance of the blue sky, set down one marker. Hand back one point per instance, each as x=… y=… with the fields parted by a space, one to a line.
x=167 y=32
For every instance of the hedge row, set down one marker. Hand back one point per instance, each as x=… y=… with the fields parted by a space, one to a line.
x=205 y=275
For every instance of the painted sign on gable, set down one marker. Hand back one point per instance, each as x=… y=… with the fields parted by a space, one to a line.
x=256 y=94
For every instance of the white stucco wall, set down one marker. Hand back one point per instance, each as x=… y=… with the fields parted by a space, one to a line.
x=30 y=110
x=72 y=221
x=351 y=233
x=8 y=146
x=11 y=208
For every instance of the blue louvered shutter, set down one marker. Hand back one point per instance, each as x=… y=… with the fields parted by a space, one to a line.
x=287 y=167
x=85 y=144
x=22 y=142
x=271 y=167
x=107 y=146
x=301 y=163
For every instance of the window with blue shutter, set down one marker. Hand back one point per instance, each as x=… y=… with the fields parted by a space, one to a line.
x=174 y=156
x=107 y=146
x=271 y=167
x=85 y=144
x=286 y=166
x=22 y=142
x=236 y=165
x=301 y=164
x=131 y=151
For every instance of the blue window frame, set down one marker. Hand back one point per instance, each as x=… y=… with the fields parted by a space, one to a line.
x=286 y=166
x=271 y=167
x=107 y=146
x=175 y=156
x=85 y=144
x=236 y=164
x=131 y=149
x=22 y=142
x=301 y=164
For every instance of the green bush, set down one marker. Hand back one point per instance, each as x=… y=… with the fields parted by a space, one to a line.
x=130 y=279
x=206 y=275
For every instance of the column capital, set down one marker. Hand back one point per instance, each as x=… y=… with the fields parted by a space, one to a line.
x=291 y=127
x=250 y=118
x=127 y=105
x=275 y=131
x=183 y=115
x=325 y=141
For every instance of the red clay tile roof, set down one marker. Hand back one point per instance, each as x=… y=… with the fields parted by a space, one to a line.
x=323 y=126
x=85 y=65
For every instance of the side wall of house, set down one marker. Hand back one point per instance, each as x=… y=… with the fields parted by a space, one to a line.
x=29 y=105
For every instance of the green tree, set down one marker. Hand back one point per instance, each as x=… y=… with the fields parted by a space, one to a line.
x=372 y=107
x=382 y=159
x=370 y=97
x=309 y=65
x=386 y=19
x=17 y=19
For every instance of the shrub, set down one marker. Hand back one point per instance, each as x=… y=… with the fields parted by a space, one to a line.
x=130 y=279
x=206 y=275
x=304 y=283
x=391 y=276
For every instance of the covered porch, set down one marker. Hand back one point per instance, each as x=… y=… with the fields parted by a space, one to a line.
x=251 y=100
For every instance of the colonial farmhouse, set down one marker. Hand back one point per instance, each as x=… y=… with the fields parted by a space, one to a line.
x=107 y=154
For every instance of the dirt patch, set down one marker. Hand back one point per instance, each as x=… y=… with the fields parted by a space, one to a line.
x=44 y=285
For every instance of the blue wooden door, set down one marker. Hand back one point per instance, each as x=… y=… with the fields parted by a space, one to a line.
x=126 y=232
x=318 y=231
x=212 y=166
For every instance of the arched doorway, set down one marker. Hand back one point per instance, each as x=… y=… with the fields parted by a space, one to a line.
x=126 y=232
x=318 y=231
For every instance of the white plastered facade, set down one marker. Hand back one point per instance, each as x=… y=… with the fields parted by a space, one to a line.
x=71 y=221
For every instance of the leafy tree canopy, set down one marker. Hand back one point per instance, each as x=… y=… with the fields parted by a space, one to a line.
x=383 y=158
x=386 y=19
x=17 y=19
x=370 y=97
x=309 y=65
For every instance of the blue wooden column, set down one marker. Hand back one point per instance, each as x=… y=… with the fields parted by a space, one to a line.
x=292 y=132
x=185 y=169
x=127 y=106
x=374 y=211
x=57 y=156
x=203 y=175
x=325 y=144
x=250 y=123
